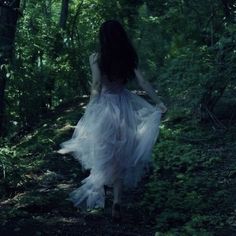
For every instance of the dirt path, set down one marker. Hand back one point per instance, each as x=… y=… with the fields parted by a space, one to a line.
x=43 y=209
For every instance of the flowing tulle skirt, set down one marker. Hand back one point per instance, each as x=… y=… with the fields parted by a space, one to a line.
x=113 y=139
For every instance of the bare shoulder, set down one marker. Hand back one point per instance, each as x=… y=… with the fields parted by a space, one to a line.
x=93 y=57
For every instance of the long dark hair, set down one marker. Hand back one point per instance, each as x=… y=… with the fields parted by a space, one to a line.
x=117 y=57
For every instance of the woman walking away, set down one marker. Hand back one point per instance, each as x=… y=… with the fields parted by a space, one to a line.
x=115 y=136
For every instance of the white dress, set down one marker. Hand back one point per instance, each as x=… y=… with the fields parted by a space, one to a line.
x=113 y=139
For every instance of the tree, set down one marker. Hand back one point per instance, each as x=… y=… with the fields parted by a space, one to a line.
x=64 y=13
x=9 y=12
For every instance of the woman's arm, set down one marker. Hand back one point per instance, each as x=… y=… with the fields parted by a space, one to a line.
x=96 y=75
x=144 y=84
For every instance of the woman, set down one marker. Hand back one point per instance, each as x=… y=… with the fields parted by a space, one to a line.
x=115 y=136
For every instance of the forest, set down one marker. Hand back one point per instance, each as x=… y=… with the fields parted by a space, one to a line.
x=186 y=49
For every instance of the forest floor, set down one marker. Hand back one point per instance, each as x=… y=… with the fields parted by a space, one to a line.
x=190 y=191
x=37 y=203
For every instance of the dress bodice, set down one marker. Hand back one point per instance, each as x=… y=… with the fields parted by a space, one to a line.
x=111 y=86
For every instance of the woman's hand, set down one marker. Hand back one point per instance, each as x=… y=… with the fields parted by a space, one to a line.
x=162 y=107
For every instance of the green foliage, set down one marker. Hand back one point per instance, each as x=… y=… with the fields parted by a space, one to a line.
x=186 y=49
x=28 y=157
x=14 y=168
x=189 y=193
x=187 y=54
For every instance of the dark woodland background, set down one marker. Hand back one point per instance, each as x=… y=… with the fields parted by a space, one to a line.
x=187 y=50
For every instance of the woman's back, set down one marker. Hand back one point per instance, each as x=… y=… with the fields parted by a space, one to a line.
x=106 y=85
x=111 y=86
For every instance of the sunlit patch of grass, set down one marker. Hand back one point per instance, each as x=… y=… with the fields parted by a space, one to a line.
x=65 y=128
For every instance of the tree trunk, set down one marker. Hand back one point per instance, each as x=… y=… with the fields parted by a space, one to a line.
x=215 y=87
x=2 y=93
x=64 y=13
x=9 y=12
